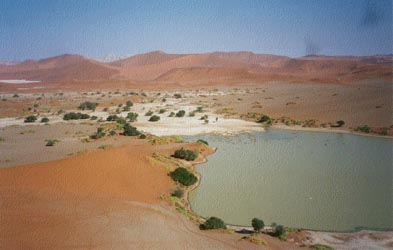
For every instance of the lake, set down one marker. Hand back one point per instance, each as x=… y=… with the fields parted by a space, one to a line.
x=309 y=180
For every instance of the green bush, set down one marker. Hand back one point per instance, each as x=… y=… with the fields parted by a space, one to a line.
x=183 y=176
x=279 y=231
x=257 y=224
x=45 y=119
x=162 y=111
x=338 y=124
x=177 y=96
x=177 y=193
x=112 y=118
x=132 y=116
x=99 y=134
x=321 y=247
x=31 y=118
x=172 y=114
x=213 y=223
x=154 y=118
x=364 y=129
x=88 y=105
x=129 y=104
x=149 y=113
x=181 y=113
x=50 y=143
x=130 y=130
x=75 y=116
x=185 y=154
x=203 y=142
x=264 y=118
x=93 y=117
x=142 y=136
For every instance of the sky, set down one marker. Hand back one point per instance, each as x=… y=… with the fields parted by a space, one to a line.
x=34 y=29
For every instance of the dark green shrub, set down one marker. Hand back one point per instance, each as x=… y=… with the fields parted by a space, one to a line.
x=181 y=113
x=154 y=118
x=99 y=134
x=129 y=104
x=321 y=247
x=130 y=130
x=177 y=96
x=185 y=154
x=45 y=119
x=75 y=116
x=121 y=121
x=172 y=114
x=93 y=117
x=213 y=223
x=203 y=142
x=149 y=113
x=88 y=105
x=31 y=118
x=50 y=143
x=338 y=124
x=264 y=118
x=112 y=133
x=126 y=108
x=364 y=129
x=112 y=118
x=132 y=116
x=177 y=193
x=257 y=224
x=162 y=111
x=279 y=230
x=142 y=136
x=183 y=176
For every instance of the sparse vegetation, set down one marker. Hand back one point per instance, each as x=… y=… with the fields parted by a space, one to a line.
x=183 y=176
x=112 y=118
x=213 y=223
x=149 y=113
x=177 y=96
x=185 y=154
x=88 y=105
x=162 y=111
x=172 y=114
x=129 y=104
x=338 y=124
x=142 y=136
x=31 y=118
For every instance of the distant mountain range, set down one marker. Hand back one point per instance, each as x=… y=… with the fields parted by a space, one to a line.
x=216 y=67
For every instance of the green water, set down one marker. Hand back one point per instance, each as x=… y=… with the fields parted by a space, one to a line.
x=318 y=181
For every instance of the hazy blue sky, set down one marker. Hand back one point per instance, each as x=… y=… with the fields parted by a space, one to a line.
x=42 y=28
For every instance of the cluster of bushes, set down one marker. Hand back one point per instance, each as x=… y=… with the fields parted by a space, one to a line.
x=213 y=223
x=75 y=116
x=183 y=176
x=88 y=105
x=129 y=130
x=185 y=154
x=154 y=118
x=31 y=118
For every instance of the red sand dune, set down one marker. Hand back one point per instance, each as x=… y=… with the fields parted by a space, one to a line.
x=207 y=67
